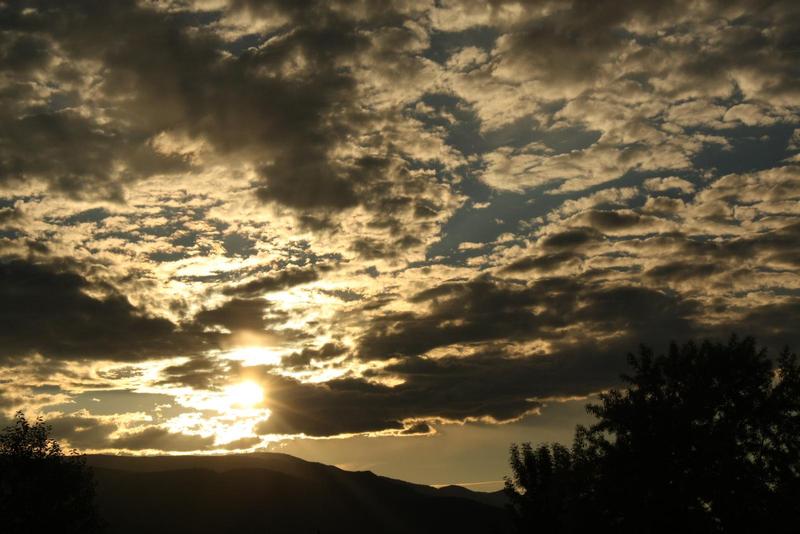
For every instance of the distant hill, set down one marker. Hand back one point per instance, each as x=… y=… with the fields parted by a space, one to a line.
x=275 y=493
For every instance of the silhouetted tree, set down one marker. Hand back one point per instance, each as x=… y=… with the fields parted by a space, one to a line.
x=547 y=475
x=41 y=488
x=703 y=439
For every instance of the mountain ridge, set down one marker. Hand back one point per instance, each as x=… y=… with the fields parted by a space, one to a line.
x=275 y=492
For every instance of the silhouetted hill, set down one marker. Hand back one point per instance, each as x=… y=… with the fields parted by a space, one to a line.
x=495 y=498
x=278 y=493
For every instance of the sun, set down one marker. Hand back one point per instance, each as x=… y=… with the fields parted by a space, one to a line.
x=244 y=394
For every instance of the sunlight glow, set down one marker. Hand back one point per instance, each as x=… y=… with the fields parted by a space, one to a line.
x=243 y=395
x=254 y=356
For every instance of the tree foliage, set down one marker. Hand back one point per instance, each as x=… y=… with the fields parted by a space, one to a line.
x=705 y=438
x=41 y=488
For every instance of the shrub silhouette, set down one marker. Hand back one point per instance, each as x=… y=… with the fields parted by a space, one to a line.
x=41 y=488
x=703 y=439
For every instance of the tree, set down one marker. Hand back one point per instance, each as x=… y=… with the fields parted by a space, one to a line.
x=703 y=439
x=41 y=488
x=547 y=473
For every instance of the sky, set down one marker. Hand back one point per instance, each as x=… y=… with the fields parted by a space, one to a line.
x=394 y=236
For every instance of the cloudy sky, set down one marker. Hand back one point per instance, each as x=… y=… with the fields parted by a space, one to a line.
x=386 y=235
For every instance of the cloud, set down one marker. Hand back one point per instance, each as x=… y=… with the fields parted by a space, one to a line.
x=158 y=438
x=201 y=373
x=77 y=156
x=571 y=238
x=46 y=310
x=307 y=355
x=236 y=314
x=666 y=184
x=190 y=188
x=283 y=279
x=492 y=310
x=82 y=432
x=678 y=271
x=545 y=263
x=153 y=78
x=488 y=386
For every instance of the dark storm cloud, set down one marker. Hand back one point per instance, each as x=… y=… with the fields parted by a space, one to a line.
x=46 y=310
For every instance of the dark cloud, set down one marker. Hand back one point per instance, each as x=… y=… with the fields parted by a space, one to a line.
x=487 y=385
x=305 y=356
x=158 y=438
x=489 y=310
x=773 y=323
x=446 y=289
x=9 y=215
x=679 y=271
x=612 y=220
x=479 y=310
x=284 y=106
x=323 y=106
x=637 y=312
x=76 y=155
x=22 y=53
x=771 y=247
x=569 y=47
x=46 y=310
x=327 y=409
x=571 y=238
x=417 y=428
x=80 y=431
x=236 y=314
x=579 y=44
x=283 y=279
x=780 y=245
x=544 y=263
x=198 y=373
x=499 y=384
x=8 y=400
x=242 y=443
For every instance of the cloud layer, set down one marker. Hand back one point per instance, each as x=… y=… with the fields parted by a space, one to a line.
x=390 y=216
